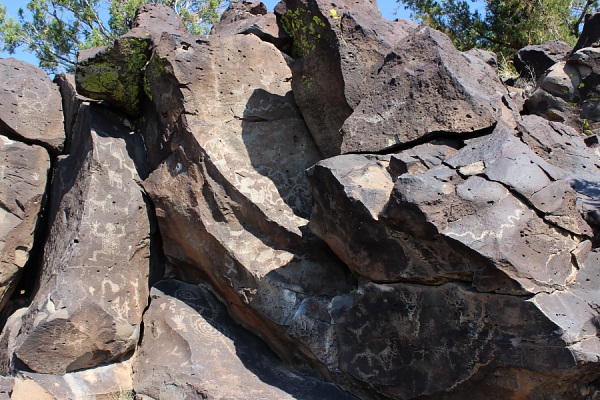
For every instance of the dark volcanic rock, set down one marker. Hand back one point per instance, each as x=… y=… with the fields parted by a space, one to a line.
x=30 y=106
x=410 y=341
x=154 y=19
x=212 y=357
x=112 y=381
x=488 y=57
x=339 y=49
x=252 y=18
x=590 y=35
x=424 y=87
x=229 y=208
x=113 y=73
x=93 y=287
x=492 y=215
x=466 y=266
x=533 y=61
x=23 y=176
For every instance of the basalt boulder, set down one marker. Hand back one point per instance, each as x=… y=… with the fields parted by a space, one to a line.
x=212 y=356
x=23 y=175
x=229 y=208
x=30 y=106
x=425 y=88
x=246 y=18
x=93 y=286
x=475 y=221
x=338 y=50
x=534 y=60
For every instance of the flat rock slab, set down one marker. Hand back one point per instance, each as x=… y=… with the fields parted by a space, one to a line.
x=424 y=87
x=23 y=176
x=112 y=381
x=93 y=289
x=30 y=105
x=210 y=355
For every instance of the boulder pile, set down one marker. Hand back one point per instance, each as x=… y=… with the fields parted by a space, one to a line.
x=314 y=203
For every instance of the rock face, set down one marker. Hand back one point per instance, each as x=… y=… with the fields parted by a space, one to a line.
x=23 y=173
x=93 y=288
x=338 y=50
x=30 y=106
x=215 y=357
x=198 y=245
x=424 y=87
x=568 y=92
x=533 y=61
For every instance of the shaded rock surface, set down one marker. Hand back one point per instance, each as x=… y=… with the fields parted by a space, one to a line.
x=251 y=203
x=252 y=18
x=213 y=356
x=30 y=106
x=533 y=61
x=107 y=382
x=23 y=173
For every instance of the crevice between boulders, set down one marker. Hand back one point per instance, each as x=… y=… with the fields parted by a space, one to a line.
x=428 y=138
x=9 y=133
x=29 y=276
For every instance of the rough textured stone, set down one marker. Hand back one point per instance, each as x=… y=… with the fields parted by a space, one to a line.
x=339 y=48
x=459 y=268
x=108 y=382
x=383 y=329
x=252 y=20
x=30 y=106
x=533 y=61
x=569 y=93
x=23 y=176
x=71 y=101
x=229 y=207
x=478 y=223
x=6 y=387
x=488 y=57
x=93 y=287
x=590 y=34
x=25 y=389
x=212 y=356
x=579 y=163
x=425 y=87
x=113 y=73
x=154 y=19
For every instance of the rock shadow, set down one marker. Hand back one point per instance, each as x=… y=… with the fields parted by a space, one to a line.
x=253 y=353
x=280 y=146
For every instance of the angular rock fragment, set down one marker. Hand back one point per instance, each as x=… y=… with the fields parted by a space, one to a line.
x=211 y=356
x=30 y=106
x=425 y=87
x=338 y=49
x=106 y=382
x=533 y=61
x=113 y=73
x=23 y=176
x=578 y=163
x=247 y=18
x=93 y=289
